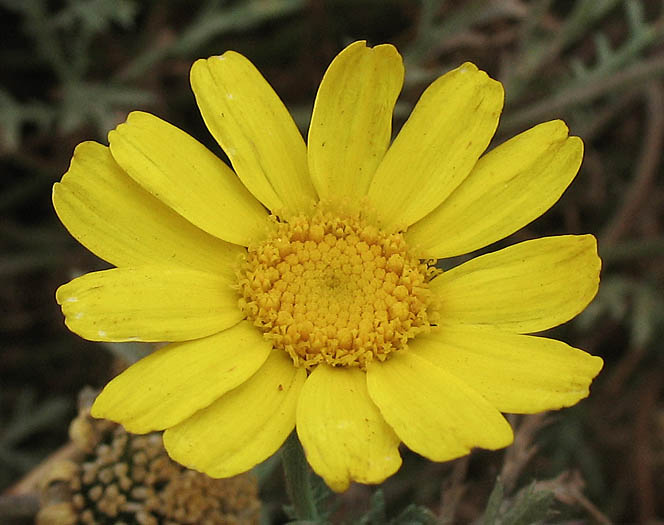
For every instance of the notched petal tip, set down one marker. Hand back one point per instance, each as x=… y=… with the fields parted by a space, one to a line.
x=361 y=46
x=479 y=77
x=198 y=66
x=594 y=365
x=87 y=151
x=386 y=48
x=591 y=368
x=115 y=132
x=202 y=65
x=133 y=120
x=136 y=117
x=588 y=251
x=554 y=131
x=101 y=409
x=577 y=142
x=598 y=363
x=495 y=89
x=506 y=435
x=62 y=293
x=230 y=54
x=88 y=147
x=590 y=244
x=353 y=46
x=385 y=52
x=557 y=133
x=489 y=87
x=95 y=410
x=468 y=67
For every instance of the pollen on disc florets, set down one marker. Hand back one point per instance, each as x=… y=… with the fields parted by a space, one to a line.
x=334 y=289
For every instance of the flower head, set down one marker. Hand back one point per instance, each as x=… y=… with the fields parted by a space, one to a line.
x=298 y=290
x=116 y=477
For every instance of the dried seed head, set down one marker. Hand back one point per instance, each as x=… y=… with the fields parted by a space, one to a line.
x=122 y=478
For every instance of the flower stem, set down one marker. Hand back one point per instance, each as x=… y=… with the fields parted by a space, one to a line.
x=298 y=480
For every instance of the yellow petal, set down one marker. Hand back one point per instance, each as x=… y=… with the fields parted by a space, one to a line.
x=529 y=287
x=245 y=426
x=185 y=175
x=343 y=434
x=509 y=187
x=254 y=128
x=437 y=147
x=116 y=219
x=434 y=413
x=351 y=124
x=520 y=374
x=169 y=385
x=151 y=303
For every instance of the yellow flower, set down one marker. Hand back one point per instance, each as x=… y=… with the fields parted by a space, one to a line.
x=298 y=291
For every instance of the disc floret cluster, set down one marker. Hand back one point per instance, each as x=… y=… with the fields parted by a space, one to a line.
x=335 y=289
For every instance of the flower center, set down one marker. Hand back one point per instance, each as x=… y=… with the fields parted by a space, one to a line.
x=335 y=290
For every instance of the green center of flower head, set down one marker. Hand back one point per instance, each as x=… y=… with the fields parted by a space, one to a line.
x=334 y=289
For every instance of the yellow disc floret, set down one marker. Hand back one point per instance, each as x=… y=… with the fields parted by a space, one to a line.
x=335 y=290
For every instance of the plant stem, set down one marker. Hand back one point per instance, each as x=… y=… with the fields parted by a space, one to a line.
x=298 y=480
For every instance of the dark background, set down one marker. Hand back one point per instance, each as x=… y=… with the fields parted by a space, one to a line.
x=71 y=71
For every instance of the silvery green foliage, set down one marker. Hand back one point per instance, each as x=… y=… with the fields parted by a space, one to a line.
x=613 y=58
x=412 y=514
x=528 y=506
x=635 y=302
x=16 y=115
x=64 y=41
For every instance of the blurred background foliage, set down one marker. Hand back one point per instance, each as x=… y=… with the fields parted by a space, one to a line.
x=72 y=70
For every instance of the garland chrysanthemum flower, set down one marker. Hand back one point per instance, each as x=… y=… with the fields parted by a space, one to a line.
x=298 y=290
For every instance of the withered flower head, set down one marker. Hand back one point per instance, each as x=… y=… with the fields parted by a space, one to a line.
x=119 y=478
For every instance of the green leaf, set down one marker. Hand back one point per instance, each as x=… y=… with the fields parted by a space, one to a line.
x=528 y=506
x=376 y=513
x=493 y=505
x=647 y=314
x=96 y=16
x=531 y=506
x=414 y=515
x=16 y=115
